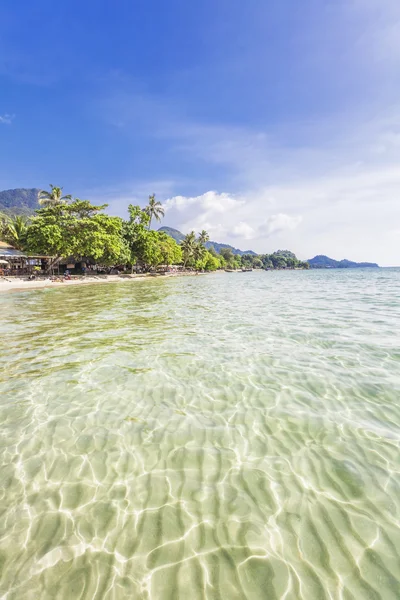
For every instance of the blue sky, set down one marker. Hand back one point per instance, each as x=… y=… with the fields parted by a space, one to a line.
x=271 y=124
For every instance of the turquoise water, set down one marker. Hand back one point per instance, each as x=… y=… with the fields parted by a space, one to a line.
x=229 y=436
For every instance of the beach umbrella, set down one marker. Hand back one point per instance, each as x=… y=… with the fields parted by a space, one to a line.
x=3 y=262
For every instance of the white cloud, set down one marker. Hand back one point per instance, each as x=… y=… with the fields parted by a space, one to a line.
x=228 y=218
x=278 y=223
x=210 y=211
x=6 y=119
x=243 y=230
x=327 y=184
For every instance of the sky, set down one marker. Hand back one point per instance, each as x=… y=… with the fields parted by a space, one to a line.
x=273 y=125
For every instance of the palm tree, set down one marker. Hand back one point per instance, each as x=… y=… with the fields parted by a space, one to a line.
x=199 y=251
x=54 y=197
x=15 y=230
x=203 y=237
x=154 y=209
x=3 y=223
x=188 y=246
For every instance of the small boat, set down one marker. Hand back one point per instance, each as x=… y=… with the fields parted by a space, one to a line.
x=246 y=270
x=230 y=271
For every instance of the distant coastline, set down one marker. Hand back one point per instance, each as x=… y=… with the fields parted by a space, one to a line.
x=324 y=262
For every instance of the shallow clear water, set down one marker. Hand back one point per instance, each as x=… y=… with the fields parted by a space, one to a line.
x=222 y=437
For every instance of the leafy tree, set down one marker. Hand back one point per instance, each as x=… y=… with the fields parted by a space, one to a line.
x=267 y=263
x=154 y=209
x=199 y=249
x=77 y=229
x=210 y=262
x=278 y=261
x=150 y=252
x=151 y=248
x=53 y=197
x=134 y=233
x=203 y=237
x=222 y=262
x=303 y=265
x=14 y=231
x=237 y=261
x=188 y=246
x=212 y=251
x=227 y=254
x=3 y=224
x=171 y=252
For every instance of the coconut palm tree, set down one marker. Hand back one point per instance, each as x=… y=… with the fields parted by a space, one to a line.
x=14 y=231
x=3 y=223
x=203 y=237
x=188 y=246
x=199 y=251
x=54 y=197
x=154 y=209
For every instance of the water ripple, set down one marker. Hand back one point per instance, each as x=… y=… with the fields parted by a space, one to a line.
x=232 y=436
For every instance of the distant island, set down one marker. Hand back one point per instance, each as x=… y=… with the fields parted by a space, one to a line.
x=324 y=262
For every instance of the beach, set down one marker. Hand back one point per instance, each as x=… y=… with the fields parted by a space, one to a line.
x=11 y=284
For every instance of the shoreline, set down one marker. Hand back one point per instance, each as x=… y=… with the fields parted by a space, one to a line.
x=23 y=285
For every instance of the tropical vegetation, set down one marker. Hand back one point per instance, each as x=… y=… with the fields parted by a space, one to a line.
x=154 y=209
x=14 y=230
x=53 y=197
x=74 y=228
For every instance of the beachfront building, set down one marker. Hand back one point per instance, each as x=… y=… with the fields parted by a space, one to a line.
x=16 y=262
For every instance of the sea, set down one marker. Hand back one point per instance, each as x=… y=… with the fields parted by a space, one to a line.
x=227 y=436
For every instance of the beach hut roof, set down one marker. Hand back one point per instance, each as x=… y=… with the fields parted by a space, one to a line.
x=8 y=251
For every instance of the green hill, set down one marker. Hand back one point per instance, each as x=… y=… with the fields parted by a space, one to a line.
x=174 y=233
x=21 y=201
x=179 y=236
x=324 y=262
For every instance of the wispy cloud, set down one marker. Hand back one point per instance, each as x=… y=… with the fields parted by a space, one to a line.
x=6 y=119
x=323 y=186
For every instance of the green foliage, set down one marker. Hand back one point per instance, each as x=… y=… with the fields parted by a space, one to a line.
x=154 y=209
x=14 y=230
x=171 y=251
x=151 y=248
x=210 y=262
x=188 y=246
x=203 y=237
x=53 y=197
x=77 y=229
x=159 y=249
x=227 y=254
x=134 y=233
x=212 y=251
x=231 y=260
x=63 y=227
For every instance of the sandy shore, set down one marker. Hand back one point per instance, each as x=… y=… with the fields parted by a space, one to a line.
x=8 y=284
